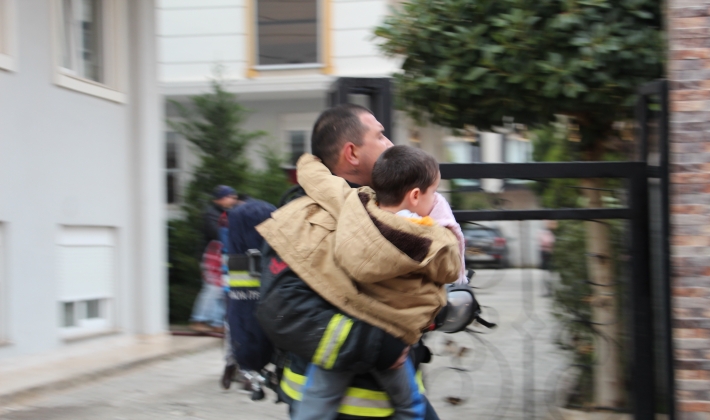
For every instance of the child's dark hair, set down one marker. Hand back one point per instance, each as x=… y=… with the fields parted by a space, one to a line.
x=401 y=169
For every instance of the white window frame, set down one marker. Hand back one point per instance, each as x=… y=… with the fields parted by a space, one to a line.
x=319 y=64
x=8 y=37
x=306 y=144
x=113 y=43
x=521 y=144
x=296 y=122
x=88 y=327
x=465 y=143
x=177 y=172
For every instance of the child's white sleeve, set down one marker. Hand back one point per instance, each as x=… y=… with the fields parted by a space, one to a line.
x=443 y=215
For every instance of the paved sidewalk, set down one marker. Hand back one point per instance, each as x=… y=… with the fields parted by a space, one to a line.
x=27 y=377
x=484 y=376
x=183 y=387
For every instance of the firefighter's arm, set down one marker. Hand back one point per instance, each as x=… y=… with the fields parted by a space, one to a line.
x=298 y=320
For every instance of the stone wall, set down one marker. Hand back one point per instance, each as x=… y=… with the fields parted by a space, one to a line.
x=689 y=68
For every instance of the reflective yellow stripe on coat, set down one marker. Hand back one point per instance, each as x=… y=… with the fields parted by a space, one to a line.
x=242 y=279
x=356 y=402
x=334 y=337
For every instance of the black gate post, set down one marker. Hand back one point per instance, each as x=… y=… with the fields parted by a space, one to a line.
x=642 y=128
x=378 y=89
x=656 y=93
x=643 y=389
x=666 y=250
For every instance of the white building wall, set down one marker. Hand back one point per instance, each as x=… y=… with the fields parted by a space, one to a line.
x=149 y=245
x=278 y=117
x=355 y=51
x=68 y=159
x=194 y=35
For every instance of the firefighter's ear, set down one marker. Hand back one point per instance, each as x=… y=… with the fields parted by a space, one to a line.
x=351 y=154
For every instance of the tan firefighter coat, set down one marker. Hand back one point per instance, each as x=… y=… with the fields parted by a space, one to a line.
x=372 y=264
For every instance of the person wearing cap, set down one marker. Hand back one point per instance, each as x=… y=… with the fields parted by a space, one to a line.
x=223 y=199
x=247 y=348
x=209 y=308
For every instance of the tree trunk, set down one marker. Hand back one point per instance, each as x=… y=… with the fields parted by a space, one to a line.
x=608 y=391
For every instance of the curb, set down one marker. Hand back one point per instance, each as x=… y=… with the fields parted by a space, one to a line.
x=16 y=397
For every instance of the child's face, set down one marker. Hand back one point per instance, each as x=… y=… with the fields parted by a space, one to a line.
x=424 y=203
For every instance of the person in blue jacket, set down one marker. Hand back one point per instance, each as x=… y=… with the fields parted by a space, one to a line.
x=246 y=346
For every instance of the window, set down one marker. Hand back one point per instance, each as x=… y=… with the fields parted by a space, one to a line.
x=287 y=33
x=88 y=41
x=172 y=167
x=84 y=313
x=296 y=132
x=87 y=264
x=7 y=35
x=463 y=150
x=297 y=141
x=81 y=38
x=517 y=149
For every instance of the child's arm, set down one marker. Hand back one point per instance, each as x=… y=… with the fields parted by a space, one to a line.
x=445 y=217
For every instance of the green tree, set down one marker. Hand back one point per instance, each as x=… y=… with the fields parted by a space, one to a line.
x=551 y=144
x=572 y=305
x=212 y=123
x=474 y=62
x=270 y=183
x=578 y=296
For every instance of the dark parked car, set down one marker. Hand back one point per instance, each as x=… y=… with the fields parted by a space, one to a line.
x=485 y=245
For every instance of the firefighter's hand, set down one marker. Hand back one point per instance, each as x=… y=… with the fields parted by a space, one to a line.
x=402 y=358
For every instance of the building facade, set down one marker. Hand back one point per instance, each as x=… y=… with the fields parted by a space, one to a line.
x=82 y=240
x=281 y=59
x=688 y=26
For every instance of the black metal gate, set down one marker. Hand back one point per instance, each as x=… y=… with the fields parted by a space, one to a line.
x=373 y=93
x=652 y=121
x=646 y=297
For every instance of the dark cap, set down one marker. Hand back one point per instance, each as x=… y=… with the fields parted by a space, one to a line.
x=222 y=191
